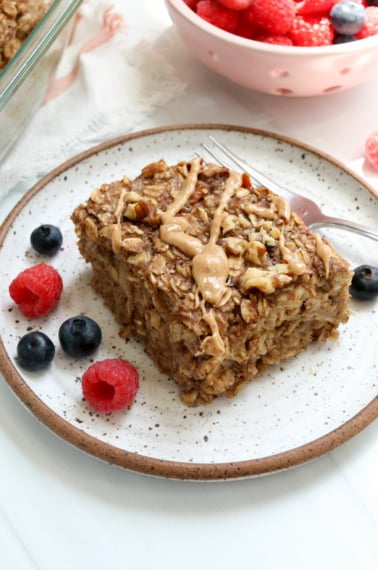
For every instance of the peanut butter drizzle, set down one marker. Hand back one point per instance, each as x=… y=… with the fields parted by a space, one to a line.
x=324 y=252
x=295 y=262
x=213 y=344
x=172 y=229
x=173 y=233
x=210 y=266
x=183 y=196
x=210 y=272
x=282 y=206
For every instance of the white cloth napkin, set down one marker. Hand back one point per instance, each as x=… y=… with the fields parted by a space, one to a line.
x=106 y=84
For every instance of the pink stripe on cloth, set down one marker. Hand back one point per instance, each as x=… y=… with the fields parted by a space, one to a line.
x=112 y=22
x=78 y=17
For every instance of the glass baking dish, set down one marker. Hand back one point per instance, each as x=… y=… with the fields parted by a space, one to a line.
x=24 y=80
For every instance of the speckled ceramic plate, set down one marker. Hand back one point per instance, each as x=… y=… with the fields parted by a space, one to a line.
x=288 y=415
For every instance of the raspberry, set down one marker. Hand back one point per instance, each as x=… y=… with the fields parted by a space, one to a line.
x=216 y=14
x=275 y=16
x=312 y=31
x=371 y=149
x=36 y=290
x=192 y=3
x=110 y=385
x=370 y=27
x=235 y=4
x=248 y=30
x=318 y=7
x=277 y=40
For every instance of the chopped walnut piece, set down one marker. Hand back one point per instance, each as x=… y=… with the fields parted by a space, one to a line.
x=142 y=210
x=263 y=279
x=255 y=252
x=246 y=181
x=150 y=212
x=235 y=245
x=153 y=168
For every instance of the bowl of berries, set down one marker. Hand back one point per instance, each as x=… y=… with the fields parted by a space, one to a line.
x=283 y=47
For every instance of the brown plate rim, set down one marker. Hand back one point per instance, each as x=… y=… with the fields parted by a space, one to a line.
x=160 y=467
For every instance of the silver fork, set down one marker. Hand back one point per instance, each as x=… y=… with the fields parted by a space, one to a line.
x=308 y=210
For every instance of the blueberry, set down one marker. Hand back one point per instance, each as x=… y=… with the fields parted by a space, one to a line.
x=347 y=17
x=343 y=39
x=35 y=351
x=364 y=284
x=79 y=336
x=46 y=239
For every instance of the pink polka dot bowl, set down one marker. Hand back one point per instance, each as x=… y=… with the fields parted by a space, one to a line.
x=276 y=69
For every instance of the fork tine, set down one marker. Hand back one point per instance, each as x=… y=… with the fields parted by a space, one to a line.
x=230 y=163
x=257 y=177
x=229 y=153
x=216 y=156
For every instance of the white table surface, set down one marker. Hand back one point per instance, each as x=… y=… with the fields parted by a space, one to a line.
x=62 y=509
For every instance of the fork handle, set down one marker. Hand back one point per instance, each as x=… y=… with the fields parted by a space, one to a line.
x=346 y=225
